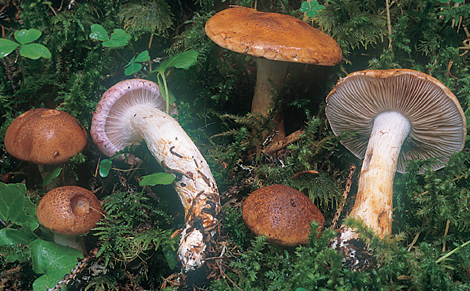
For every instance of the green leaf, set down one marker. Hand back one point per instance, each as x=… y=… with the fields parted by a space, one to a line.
x=157 y=179
x=143 y=57
x=52 y=260
x=120 y=34
x=171 y=255
x=16 y=208
x=133 y=68
x=118 y=38
x=54 y=174
x=12 y=237
x=35 y=51
x=181 y=61
x=26 y=36
x=105 y=167
x=130 y=62
x=311 y=9
x=98 y=33
x=6 y=47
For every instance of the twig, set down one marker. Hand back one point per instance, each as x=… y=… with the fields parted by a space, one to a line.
x=335 y=220
x=414 y=241
x=304 y=172
x=291 y=138
x=445 y=234
x=389 y=25
x=75 y=271
x=225 y=276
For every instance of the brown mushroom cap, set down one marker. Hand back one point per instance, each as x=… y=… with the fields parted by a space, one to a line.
x=272 y=36
x=69 y=210
x=437 y=122
x=45 y=136
x=282 y=214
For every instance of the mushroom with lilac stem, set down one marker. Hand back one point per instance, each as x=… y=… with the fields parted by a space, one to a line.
x=397 y=115
x=126 y=115
x=274 y=39
x=69 y=212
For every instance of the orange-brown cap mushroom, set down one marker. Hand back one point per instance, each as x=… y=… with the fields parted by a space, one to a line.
x=282 y=214
x=69 y=211
x=274 y=39
x=45 y=137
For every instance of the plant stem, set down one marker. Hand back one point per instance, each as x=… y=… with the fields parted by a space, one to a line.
x=165 y=93
x=451 y=252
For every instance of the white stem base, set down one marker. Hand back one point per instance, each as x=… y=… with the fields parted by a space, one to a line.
x=73 y=241
x=195 y=185
x=374 y=200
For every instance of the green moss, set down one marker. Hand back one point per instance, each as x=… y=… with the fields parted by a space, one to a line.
x=431 y=217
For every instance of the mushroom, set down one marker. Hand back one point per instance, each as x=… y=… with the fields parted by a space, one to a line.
x=45 y=137
x=69 y=212
x=281 y=214
x=398 y=115
x=126 y=114
x=274 y=39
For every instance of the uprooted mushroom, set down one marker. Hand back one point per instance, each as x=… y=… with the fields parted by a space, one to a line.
x=126 y=115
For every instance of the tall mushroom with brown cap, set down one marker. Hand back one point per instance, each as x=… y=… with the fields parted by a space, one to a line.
x=45 y=137
x=282 y=214
x=127 y=114
x=69 y=211
x=398 y=115
x=274 y=39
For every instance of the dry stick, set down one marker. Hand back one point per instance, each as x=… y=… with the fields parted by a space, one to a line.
x=389 y=25
x=304 y=172
x=415 y=239
x=291 y=138
x=225 y=276
x=76 y=270
x=445 y=234
x=335 y=220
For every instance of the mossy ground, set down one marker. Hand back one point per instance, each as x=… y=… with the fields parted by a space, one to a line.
x=431 y=215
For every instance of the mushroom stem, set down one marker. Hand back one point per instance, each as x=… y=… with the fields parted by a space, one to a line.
x=195 y=185
x=46 y=170
x=374 y=200
x=73 y=241
x=269 y=74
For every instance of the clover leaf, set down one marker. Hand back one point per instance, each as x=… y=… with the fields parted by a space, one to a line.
x=311 y=8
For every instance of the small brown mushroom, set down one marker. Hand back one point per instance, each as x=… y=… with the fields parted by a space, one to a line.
x=45 y=137
x=274 y=39
x=281 y=214
x=69 y=211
